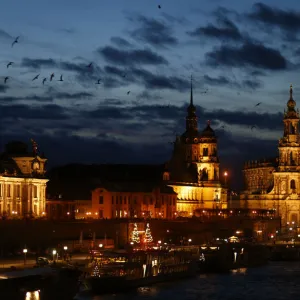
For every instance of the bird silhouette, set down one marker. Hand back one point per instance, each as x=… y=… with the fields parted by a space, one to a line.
x=128 y=92
x=259 y=103
x=9 y=64
x=51 y=76
x=5 y=79
x=159 y=6
x=44 y=80
x=61 y=78
x=36 y=77
x=90 y=65
x=15 y=41
x=98 y=82
x=252 y=127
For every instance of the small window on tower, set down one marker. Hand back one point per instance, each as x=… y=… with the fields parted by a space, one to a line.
x=205 y=151
x=293 y=184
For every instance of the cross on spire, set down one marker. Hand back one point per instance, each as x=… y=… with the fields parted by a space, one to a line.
x=291 y=91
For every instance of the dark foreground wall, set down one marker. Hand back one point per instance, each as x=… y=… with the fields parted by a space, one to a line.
x=42 y=233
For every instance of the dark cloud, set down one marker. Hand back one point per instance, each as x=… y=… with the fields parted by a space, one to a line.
x=145 y=78
x=173 y=19
x=112 y=70
x=146 y=95
x=257 y=73
x=48 y=98
x=113 y=101
x=121 y=42
x=287 y=20
x=5 y=35
x=38 y=63
x=226 y=81
x=74 y=96
x=26 y=98
x=131 y=57
x=152 y=81
x=109 y=112
x=226 y=30
x=155 y=33
x=36 y=112
x=3 y=88
x=261 y=120
x=81 y=68
x=247 y=55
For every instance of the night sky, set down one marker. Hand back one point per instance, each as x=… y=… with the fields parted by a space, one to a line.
x=239 y=53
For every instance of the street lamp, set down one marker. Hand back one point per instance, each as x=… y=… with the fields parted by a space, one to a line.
x=65 y=248
x=189 y=240
x=225 y=177
x=100 y=245
x=54 y=252
x=24 y=251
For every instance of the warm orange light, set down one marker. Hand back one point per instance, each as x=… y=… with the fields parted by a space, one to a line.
x=225 y=174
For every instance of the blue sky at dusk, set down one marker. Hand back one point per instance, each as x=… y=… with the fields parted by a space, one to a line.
x=239 y=53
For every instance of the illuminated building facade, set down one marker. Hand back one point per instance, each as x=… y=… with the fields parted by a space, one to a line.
x=22 y=181
x=133 y=200
x=194 y=170
x=275 y=184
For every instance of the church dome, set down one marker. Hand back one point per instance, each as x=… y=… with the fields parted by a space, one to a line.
x=208 y=131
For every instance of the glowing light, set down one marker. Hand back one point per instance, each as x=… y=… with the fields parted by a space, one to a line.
x=25 y=250
x=65 y=248
x=100 y=245
x=225 y=173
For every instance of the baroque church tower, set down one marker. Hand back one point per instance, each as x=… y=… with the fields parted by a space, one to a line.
x=280 y=181
x=194 y=167
x=289 y=147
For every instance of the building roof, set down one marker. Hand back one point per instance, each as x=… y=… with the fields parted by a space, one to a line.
x=136 y=187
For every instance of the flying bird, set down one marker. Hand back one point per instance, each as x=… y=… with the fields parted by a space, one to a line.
x=44 y=80
x=15 y=41
x=98 y=82
x=259 y=103
x=159 y=6
x=51 y=76
x=90 y=65
x=5 y=79
x=128 y=92
x=61 y=78
x=36 y=77
x=9 y=64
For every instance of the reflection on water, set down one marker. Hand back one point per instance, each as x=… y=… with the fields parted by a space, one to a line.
x=32 y=295
x=273 y=282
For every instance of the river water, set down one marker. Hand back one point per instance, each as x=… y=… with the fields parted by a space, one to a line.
x=273 y=282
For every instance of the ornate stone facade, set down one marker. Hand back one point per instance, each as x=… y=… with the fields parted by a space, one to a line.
x=194 y=168
x=276 y=184
x=22 y=181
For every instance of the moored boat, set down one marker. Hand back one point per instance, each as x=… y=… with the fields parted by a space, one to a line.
x=138 y=269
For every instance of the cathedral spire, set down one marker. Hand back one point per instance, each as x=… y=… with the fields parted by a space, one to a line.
x=291 y=92
x=191 y=118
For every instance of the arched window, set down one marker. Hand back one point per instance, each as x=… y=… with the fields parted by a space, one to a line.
x=293 y=184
